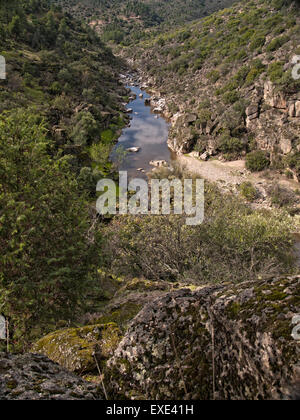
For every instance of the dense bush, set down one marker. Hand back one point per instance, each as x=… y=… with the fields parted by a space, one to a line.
x=231 y=97
x=44 y=252
x=280 y=196
x=257 y=160
x=164 y=248
x=228 y=144
x=276 y=43
x=248 y=191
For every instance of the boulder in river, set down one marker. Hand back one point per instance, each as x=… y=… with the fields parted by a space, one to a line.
x=133 y=149
x=158 y=163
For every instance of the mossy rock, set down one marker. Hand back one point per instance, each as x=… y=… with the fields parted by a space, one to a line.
x=144 y=285
x=122 y=315
x=239 y=334
x=74 y=348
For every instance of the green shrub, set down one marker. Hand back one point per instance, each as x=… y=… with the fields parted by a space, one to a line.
x=213 y=76
x=276 y=43
x=257 y=42
x=164 y=248
x=276 y=72
x=293 y=161
x=204 y=115
x=229 y=144
x=231 y=97
x=258 y=160
x=280 y=196
x=44 y=254
x=248 y=191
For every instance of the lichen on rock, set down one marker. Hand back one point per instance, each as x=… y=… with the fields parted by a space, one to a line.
x=35 y=377
x=220 y=342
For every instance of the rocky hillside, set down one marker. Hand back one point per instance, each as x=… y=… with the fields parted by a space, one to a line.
x=227 y=83
x=116 y=19
x=61 y=71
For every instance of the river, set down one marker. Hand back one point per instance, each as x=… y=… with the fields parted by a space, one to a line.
x=149 y=132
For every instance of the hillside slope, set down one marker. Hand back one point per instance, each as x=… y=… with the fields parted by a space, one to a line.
x=116 y=18
x=228 y=83
x=61 y=109
x=62 y=71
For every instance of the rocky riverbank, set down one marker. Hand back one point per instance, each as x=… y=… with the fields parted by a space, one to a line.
x=268 y=188
x=227 y=91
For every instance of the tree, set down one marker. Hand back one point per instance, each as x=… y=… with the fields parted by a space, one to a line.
x=44 y=254
x=14 y=27
x=85 y=129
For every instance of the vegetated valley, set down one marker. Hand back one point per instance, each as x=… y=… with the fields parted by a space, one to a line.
x=145 y=306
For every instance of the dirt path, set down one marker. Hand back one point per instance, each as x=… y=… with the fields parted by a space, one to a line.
x=214 y=170
x=233 y=173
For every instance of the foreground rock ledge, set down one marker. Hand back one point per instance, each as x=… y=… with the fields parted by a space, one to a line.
x=237 y=337
x=35 y=377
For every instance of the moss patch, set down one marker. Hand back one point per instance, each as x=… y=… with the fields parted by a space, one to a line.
x=74 y=348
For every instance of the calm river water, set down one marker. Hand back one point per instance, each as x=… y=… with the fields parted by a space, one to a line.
x=148 y=131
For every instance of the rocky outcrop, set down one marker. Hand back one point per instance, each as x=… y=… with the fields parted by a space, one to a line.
x=228 y=341
x=219 y=342
x=276 y=124
x=76 y=348
x=35 y=377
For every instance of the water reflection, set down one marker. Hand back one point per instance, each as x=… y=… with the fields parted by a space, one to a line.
x=147 y=131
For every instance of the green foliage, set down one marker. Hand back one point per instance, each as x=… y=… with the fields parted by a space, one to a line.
x=107 y=136
x=164 y=248
x=228 y=144
x=213 y=76
x=204 y=115
x=44 y=255
x=14 y=26
x=248 y=191
x=276 y=43
x=62 y=68
x=258 y=41
x=293 y=161
x=280 y=196
x=276 y=72
x=125 y=21
x=257 y=160
x=230 y=97
x=85 y=129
